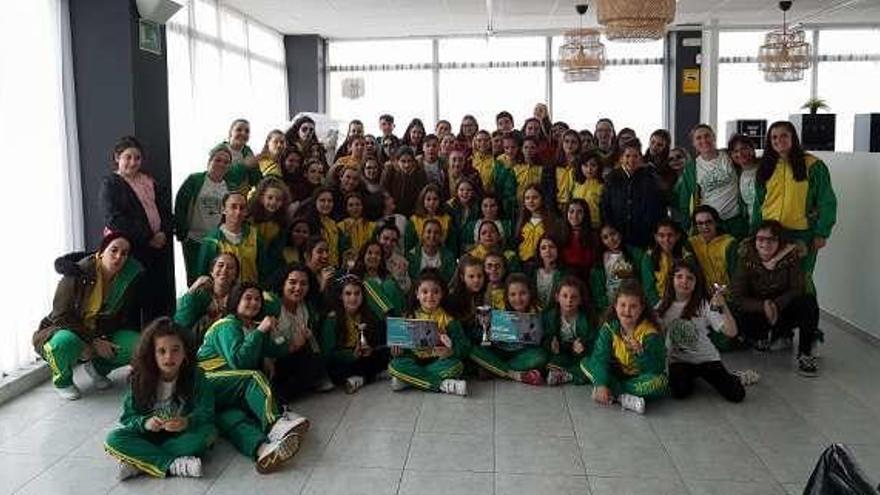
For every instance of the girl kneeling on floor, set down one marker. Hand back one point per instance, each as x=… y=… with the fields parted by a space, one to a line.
x=517 y=362
x=689 y=318
x=628 y=363
x=569 y=333
x=435 y=369
x=352 y=338
x=232 y=355
x=168 y=412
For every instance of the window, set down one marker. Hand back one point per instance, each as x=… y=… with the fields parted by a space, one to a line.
x=221 y=67
x=630 y=95
x=33 y=35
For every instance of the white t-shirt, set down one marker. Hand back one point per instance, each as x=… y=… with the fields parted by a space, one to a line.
x=429 y=261
x=544 y=284
x=166 y=406
x=207 y=209
x=719 y=185
x=747 y=189
x=616 y=269
x=688 y=340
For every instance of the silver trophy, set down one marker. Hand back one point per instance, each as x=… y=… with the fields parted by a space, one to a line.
x=719 y=289
x=362 y=337
x=484 y=318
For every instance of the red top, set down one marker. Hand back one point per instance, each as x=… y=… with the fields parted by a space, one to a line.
x=580 y=259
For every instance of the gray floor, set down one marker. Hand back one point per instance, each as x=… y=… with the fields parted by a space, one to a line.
x=505 y=438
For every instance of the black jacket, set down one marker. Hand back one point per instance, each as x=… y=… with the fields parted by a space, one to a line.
x=123 y=211
x=633 y=204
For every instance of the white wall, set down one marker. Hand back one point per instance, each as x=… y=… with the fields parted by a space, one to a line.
x=848 y=271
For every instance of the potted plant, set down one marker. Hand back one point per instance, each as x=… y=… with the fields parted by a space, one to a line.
x=816 y=129
x=816 y=104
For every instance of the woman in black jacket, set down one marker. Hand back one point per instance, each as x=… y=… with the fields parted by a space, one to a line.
x=632 y=200
x=136 y=206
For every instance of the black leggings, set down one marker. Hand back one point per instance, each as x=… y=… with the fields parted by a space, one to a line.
x=297 y=373
x=367 y=367
x=683 y=375
x=802 y=312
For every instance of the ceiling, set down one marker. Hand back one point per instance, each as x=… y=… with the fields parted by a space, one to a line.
x=402 y=18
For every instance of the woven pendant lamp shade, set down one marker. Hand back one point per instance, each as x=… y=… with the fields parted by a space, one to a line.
x=581 y=55
x=635 y=20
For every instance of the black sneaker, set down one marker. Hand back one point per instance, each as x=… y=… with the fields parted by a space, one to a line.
x=807 y=365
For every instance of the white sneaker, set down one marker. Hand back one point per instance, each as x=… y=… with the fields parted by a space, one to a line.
x=69 y=393
x=747 y=377
x=397 y=384
x=125 y=471
x=100 y=381
x=288 y=423
x=186 y=467
x=353 y=384
x=632 y=403
x=558 y=377
x=325 y=385
x=272 y=455
x=454 y=387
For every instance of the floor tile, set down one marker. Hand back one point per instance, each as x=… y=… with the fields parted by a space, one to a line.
x=352 y=481
x=734 y=488
x=240 y=477
x=636 y=486
x=74 y=476
x=628 y=458
x=548 y=418
x=457 y=483
x=456 y=417
x=537 y=455
x=451 y=452
x=18 y=469
x=528 y=484
x=710 y=460
x=368 y=448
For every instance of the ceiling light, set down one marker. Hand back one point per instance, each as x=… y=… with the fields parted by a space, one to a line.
x=785 y=54
x=582 y=54
x=635 y=20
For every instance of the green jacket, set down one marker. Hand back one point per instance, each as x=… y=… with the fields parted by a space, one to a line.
x=605 y=362
x=461 y=220
x=191 y=307
x=272 y=307
x=821 y=201
x=648 y=277
x=584 y=331
x=598 y=280
x=467 y=234
x=79 y=276
x=240 y=177
x=384 y=297
x=199 y=409
x=211 y=248
x=686 y=194
x=184 y=201
x=447 y=263
x=333 y=349
x=226 y=347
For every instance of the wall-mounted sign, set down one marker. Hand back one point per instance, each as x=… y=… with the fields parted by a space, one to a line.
x=149 y=37
x=690 y=81
x=353 y=87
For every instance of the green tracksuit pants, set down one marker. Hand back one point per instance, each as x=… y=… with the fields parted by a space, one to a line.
x=567 y=361
x=646 y=385
x=245 y=406
x=425 y=374
x=501 y=362
x=191 y=250
x=64 y=349
x=152 y=452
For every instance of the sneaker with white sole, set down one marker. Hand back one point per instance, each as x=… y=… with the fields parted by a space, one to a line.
x=272 y=455
x=324 y=385
x=100 y=381
x=70 y=392
x=288 y=423
x=556 y=376
x=747 y=377
x=353 y=384
x=632 y=403
x=397 y=384
x=807 y=365
x=125 y=471
x=454 y=387
x=186 y=467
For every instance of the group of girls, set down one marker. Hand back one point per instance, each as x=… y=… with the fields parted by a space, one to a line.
x=641 y=266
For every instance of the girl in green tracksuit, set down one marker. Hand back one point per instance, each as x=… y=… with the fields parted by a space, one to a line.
x=465 y=209
x=657 y=262
x=232 y=355
x=490 y=209
x=628 y=362
x=267 y=213
x=436 y=369
x=569 y=335
x=381 y=292
x=617 y=262
x=235 y=235
x=514 y=361
x=168 y=412
x=547 y=273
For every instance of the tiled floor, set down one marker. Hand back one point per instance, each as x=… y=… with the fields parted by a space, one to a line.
x=505 y=438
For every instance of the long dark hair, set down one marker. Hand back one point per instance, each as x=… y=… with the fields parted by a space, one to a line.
x=796 y=157
x=145 y=375
x=237 y=293
x=698 y=297
x=586 y=237
x=373 y=330
x=659 y=161
x=630 y=287
x=461 y=300
x=360 y=267
x=292 y=134
x=677 y=250
x=124 y=143
x=258 y=213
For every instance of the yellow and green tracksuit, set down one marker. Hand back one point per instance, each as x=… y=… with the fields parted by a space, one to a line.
x=654 y=281
x=183 y=205
x=422 y=369
x=807 y=209
x=250 y=253
x=354 y=232
x=567 y=360
x=240 y=177
x=639 y=370
x=246 y=408
x=273 y=239
x=599 y=296
x=717 y=258
x=339 y=353
x=564 y=185
x=469 y=233
x=591 y=192
x=529 y=237
x=497 y=178
x=448 y=234
x=333 y=237
x=526 y=175
x=501 y=358
x=383 y=297
x=269 y=167
x=67 y=343
x=153 y=452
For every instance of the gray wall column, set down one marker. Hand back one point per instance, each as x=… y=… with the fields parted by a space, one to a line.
x=305 y=57
x=685 y=46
